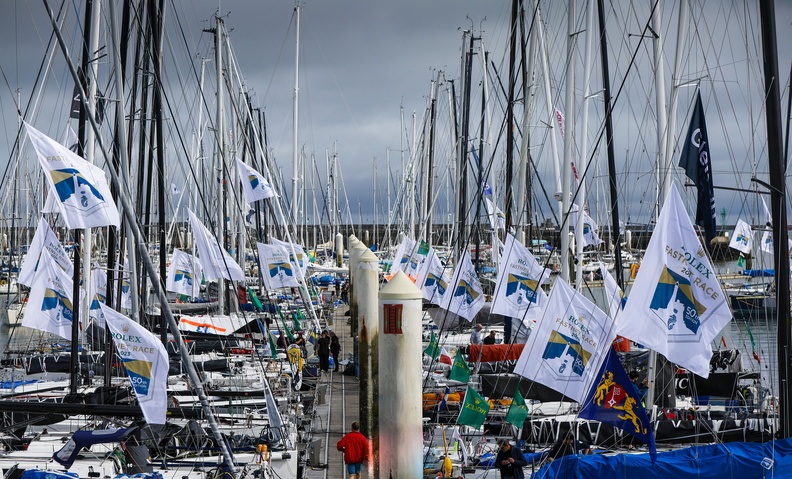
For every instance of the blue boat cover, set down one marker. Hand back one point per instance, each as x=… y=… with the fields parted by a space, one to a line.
x=86 y=438
x=759 y=273
x=743 y=460
x=44 y=474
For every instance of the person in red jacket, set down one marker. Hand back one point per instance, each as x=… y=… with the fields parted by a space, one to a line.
x=355 y=447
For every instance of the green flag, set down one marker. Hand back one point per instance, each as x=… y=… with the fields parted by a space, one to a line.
x=518 y=411
x=433 y=349
x=423 y=249
x=741 y=261
x=296 y=315
x=474 y=409
x=288 y=331
x=254 y=299
x=460 y=370
x=273 y=347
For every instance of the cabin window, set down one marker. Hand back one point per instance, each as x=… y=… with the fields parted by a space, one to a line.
x=393 y=318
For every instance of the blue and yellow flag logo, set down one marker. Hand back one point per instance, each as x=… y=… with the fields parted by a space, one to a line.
x=521 y=289
x=125 y=286
x=53 y=300
x=741 y=239
x=673 y=298
x=139 y=372
x=565 y=355
x=69 y=181
x=98 y=298
x=434 y=281
x=276 y=268
x=183 y=275
x=586 y=228
x=465 y=290
x=254 y=181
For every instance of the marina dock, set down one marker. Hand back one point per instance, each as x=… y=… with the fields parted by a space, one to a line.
x=336 y=408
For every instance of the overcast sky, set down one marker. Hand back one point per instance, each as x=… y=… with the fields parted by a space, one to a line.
x=362 y=61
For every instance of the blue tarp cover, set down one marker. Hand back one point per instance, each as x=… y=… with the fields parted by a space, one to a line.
x=44 y=474
x=759 y=273
x=742 y=460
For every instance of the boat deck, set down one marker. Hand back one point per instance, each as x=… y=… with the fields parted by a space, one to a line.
x=337 y=407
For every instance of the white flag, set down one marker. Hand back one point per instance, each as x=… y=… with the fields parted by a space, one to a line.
x=44 y=239
x=518 y=292
x=216 y=261
x=614 y=295
x=676 y=304
x=415 y=259
x=401 y=260
x=568 y=344
x=462 y=448
x=588 y=237
x=466 y=297
x=496 y=217
x=49 y=307
x=146 y=363
x=767 y=242
x=300 y=261
x=433 y=280
x=276 y=269
x=98 y=295
x=742 y=240
x=184 y=274
x=254 y=185
x=768 y=216
x=125 y=278
x=80 y=188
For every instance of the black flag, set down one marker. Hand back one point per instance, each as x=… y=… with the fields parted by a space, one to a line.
x=695 y=159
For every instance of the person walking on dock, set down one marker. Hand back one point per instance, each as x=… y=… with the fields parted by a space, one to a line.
x=355 y=448
x=323 y=351
x=335 y=348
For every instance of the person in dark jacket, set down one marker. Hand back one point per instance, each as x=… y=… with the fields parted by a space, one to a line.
x=568 y=446
x=283 y=341
x=355 y=448
x=490 y=339
x=510 y=460
x=323 y=351
x=335 y=348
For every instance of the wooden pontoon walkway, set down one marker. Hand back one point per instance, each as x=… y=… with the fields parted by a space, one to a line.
x=337 y=407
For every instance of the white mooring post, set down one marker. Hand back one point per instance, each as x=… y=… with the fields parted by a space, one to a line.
x=367 y=280
x=400 y=448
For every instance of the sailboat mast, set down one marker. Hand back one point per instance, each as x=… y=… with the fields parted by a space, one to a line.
x=510 y=116
x=777 y=172
x=157 y=14
x=220 y=140
x=614 y=197
x=84 y=137
x=569 y=129
x=584 y=156
x=462 y=206
x=430 y=166
x=296 y=108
